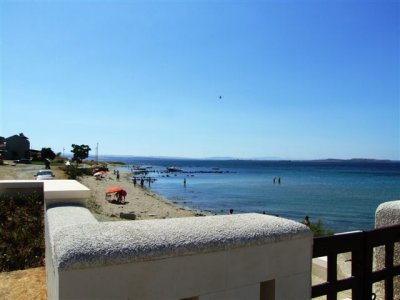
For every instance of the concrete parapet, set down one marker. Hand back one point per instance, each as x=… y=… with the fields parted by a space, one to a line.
x=210 y=257
x=387 y=214
x=65 y=192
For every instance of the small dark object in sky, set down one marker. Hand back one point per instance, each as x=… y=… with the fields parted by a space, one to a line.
x=220 y=97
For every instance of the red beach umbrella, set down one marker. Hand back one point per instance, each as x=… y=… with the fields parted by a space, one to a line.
x=100 y=173
x=116 y=190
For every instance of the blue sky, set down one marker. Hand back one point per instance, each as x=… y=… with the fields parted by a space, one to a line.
x=298 y=79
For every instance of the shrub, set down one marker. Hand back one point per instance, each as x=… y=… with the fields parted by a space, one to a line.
x=21 y=231
x=73 y=172
x=319 y=229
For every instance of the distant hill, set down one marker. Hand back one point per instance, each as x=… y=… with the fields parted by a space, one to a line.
x=270 y=158
x=352 y=160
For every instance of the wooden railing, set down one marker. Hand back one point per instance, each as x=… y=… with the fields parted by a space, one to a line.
x=361 y=245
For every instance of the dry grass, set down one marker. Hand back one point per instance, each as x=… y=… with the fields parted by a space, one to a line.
x=24 y=284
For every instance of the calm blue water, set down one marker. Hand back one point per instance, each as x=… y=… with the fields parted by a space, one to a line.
x=344 y=195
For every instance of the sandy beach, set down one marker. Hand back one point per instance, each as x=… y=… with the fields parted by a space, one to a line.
x=140 y=202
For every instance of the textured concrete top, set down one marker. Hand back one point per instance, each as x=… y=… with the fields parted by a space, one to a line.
x=95 y=244
x=387 y=213
x=61 y=217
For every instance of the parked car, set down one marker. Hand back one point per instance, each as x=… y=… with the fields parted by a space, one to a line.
x=44 y=175
x=23 y=161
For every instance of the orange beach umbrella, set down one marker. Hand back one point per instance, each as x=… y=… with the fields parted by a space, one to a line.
x=116 y=190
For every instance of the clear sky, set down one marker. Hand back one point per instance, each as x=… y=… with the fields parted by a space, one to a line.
x=291 y=79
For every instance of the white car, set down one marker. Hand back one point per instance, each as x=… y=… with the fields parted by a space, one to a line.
x=44 y=175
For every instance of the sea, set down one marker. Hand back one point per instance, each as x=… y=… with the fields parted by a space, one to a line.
x=344 y=194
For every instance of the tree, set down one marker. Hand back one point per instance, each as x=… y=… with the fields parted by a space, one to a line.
x=47 y=153
x=80 y=152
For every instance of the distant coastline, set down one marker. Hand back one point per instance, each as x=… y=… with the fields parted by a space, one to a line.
x=362 y=160
x=266 y=159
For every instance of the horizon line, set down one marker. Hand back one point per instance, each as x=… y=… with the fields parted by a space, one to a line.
x=272 y=158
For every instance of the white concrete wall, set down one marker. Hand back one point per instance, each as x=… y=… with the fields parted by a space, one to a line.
x=231 y=274
x=217 y=257
x=60 y=218
x=65 y=192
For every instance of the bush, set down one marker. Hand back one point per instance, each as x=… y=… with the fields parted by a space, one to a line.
x=319 y=229
x=73 y=172
x=21 y=232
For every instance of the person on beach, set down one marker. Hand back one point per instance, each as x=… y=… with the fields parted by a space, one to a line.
x=47 y=163
x=134 y=181
x=231 y=211
x=120 y=197
x=117 y=175
x=141 y=182
x=306 y=221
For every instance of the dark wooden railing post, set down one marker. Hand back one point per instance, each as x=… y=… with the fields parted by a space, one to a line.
x=361 y=245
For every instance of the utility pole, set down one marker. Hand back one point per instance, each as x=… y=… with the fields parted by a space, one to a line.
x=97 y=153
